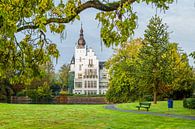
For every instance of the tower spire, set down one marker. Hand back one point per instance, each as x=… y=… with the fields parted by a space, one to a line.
x=81 y=31
x=81 y=41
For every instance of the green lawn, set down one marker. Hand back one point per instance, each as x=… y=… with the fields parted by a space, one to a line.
x=162 y=107
x=18 y=116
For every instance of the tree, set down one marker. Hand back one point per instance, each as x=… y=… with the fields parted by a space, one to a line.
x=154 y=64
x=173 y=73
x=63 y=76
x=35 y=17
x=122 y=70
x=149 y=66
x=183 y=76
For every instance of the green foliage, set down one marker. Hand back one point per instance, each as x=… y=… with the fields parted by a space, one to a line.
x=21 y=60
x=63 y=76
x=40 y=84
x=122 y=68
x=193 y=55
x=21 y=93
x=41 y=94
x=189 y=103
x=117 y=18
x=117 y=26
x=149 y=66
x=163 y=65
x=62 y=92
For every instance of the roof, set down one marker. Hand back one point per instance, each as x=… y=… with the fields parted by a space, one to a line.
x=72 y=60
x=101 y=64
x=81 y=41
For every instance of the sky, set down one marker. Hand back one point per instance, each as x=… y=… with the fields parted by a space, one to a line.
x=180 y=18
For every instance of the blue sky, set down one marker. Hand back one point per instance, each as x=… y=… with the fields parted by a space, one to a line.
x=180 y=18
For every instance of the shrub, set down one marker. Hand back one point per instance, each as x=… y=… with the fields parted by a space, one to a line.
x=185 y=103
x=189 y=103
x=42 y=94
x=21 y=93
x=148 y=97
x=62 y=92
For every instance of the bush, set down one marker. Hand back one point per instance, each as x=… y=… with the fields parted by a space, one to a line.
x=189 y=103
x=148 y=97
x=42 y=94
x=62 y=92
x=21 y=93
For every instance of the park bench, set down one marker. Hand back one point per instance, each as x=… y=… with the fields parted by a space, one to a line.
x=144 y=105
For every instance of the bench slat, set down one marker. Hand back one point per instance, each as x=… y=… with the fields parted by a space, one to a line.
x=144 y=105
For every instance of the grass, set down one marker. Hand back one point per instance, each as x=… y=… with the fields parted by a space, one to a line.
x=162 y=107
x=18 y=116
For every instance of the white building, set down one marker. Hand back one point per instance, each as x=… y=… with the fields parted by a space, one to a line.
x=90 y=76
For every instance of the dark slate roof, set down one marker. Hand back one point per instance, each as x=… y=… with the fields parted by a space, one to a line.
x=72 y=60
x=101 y=64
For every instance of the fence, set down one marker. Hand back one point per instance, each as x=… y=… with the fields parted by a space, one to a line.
x=62 y=100
x=21 y=99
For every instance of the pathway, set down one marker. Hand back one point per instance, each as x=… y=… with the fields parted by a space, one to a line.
x=113 y=107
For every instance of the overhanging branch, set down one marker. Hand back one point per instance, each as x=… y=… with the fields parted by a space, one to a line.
x=96 y=4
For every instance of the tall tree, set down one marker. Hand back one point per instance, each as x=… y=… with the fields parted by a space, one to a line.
x=156 y=43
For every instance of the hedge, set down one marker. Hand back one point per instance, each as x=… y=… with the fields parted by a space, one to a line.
x=189 y=103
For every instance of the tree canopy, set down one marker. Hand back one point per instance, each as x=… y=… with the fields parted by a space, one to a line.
x=117 y=17
x=149 y=66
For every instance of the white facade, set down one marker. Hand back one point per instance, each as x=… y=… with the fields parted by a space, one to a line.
x=88 y=75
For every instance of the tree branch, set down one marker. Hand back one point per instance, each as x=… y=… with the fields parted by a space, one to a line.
x=89 y=4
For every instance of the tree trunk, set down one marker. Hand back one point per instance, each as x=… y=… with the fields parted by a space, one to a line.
x=155 y=97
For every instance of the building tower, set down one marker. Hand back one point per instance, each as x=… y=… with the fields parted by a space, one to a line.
x=88 y=77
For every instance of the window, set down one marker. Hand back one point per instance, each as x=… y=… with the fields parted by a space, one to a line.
x=104 y=76
x=92 y=84
x=90 y=62
x=90 y=73
x=80 y=76
x=78 y=84
x=95 y=84
x=80 y=59
x=85 y=84
x=89 y=84
x=80 y=67
x=95 y=73
x=85 y=76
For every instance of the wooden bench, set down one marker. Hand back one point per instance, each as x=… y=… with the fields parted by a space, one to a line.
x=144 y=105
